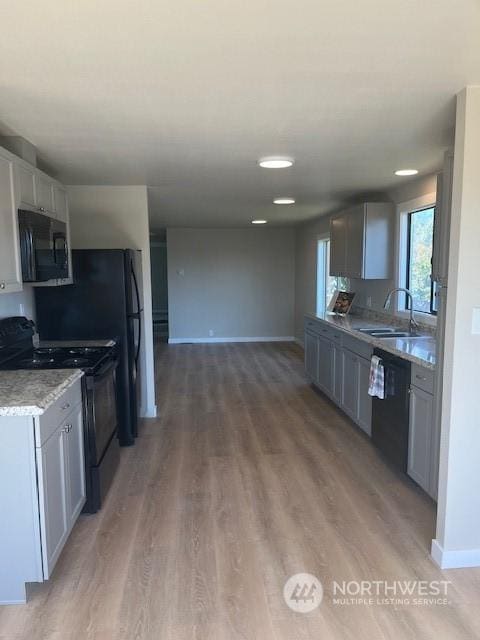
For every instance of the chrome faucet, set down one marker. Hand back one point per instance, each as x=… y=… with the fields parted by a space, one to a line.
x=412 y=324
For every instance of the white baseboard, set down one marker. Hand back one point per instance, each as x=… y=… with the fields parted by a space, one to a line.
x=149 y=412
x=218 y=340
x=455 y=559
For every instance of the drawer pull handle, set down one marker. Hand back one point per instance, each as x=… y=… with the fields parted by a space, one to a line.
x=418 y=377
x=65 y=406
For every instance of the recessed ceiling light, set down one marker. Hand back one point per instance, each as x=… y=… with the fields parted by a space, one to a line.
x=259 y=222
x=275 y=163
x=284 y=201
x=406 y=172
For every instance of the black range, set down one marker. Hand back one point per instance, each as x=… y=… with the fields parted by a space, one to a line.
x=99 y=365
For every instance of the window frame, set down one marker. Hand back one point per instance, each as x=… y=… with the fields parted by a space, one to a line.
x=410 y=215
x=426 y=201
x=325 y=239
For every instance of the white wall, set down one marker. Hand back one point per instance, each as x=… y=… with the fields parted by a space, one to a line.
x=238 y=283
x=306 y=258
x=458 y=518
x=106 y=217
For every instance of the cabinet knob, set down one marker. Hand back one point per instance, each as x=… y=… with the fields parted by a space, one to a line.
x=41 y=209
x=2 y=285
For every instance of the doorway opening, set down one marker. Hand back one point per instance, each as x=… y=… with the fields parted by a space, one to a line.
x=158 y=259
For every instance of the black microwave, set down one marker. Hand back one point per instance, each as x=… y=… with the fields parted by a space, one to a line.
x=43 y=247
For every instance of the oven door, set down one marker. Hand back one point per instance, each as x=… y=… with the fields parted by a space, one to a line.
x=103 y=410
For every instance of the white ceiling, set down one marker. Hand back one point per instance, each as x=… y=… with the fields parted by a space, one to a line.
x=185 y=96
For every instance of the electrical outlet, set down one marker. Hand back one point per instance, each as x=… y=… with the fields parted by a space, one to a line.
x=211 y=333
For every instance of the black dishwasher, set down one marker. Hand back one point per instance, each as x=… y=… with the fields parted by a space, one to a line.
x=390 y=417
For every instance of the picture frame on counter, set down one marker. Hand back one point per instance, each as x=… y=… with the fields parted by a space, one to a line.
x=341 y=302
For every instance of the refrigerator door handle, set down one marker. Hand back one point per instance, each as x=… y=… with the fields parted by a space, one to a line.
x=139 y=339
x=138 y=314
x=137 y=291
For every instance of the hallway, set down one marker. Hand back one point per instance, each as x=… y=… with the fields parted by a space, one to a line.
x=247 y=477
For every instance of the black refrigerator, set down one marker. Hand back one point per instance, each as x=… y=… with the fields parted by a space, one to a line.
x=104 y=302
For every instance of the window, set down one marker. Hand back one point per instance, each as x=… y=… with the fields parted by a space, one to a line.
x=326 y=284
x=419 y=260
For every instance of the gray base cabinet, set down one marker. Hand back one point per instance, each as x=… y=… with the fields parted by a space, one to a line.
x=423 y=442
x=356 y=402
x=340 y=367
x=325 y=366
x=311 y=355
x=42 y=492
x=364 y=418
x=420 y=436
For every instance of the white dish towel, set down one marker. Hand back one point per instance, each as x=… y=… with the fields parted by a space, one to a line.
x=376 y=385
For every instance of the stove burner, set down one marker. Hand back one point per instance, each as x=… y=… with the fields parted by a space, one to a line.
x=76 y=362
x=84 y=350
x=36 y=361
x=47 y=350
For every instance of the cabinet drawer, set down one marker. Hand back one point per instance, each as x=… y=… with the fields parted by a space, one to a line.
x=312 y=325
x=423 y=378
x=359 y=347
x=48 y=422
x=336 y=336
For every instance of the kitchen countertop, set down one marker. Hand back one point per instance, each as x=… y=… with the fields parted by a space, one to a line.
x=420 y=351
x=30 y=393
x=50 y=344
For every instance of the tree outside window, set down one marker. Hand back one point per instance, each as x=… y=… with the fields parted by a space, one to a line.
x=419 y=260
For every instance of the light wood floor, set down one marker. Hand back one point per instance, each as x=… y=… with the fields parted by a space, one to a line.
x=248 y=477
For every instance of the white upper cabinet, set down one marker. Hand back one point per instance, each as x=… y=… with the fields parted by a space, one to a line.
x=60 y=203
x=26 y=186
x=23 y=186
x=44 y=191
x=10 y=265
x=361 y=242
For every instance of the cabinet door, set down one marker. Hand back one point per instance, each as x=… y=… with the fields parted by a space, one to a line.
x=337 y=374
x=60 y=202
x=75 y=465
x=350 y=384
x=355 y=242
x=53 y=499
x=44 y=190
x=364 y=400
x=26 y=185
x=420 y=436
x=311 y=356
x=338 y=245
x=325 y=366
x=10 y=266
